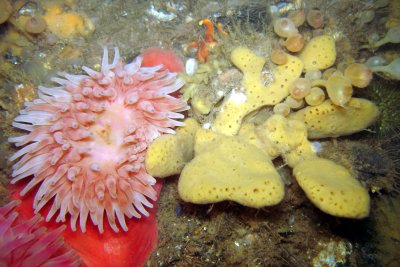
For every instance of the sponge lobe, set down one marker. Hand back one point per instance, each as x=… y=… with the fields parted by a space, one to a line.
x=232 y=170
x=332 y=188
x=319 y=53
x=169 y=153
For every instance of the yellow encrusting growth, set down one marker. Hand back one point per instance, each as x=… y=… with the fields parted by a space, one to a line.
x=287 y=138
x=332 y=188
x=200 y=105
x=255 y=95
x=231 y=170
x=207 y=140
x=329 y=120
x=248 y=133
x=66 y=24
x=169 y=153
x=319 y=53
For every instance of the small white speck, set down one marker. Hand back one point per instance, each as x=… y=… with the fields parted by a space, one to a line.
x=206 y=125
x=189 y=18
x=238 y=97
x=316 y=147
x=191 y=66
x=160 y=14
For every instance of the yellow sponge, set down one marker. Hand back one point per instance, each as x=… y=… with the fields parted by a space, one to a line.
x=255 y=95
x=206 y=139
x=169 y=153
x=329 y=120
x=201 y=105
x=232 y=170
x=319 y=53
x=247 y=133
x=247 y=61
x=332 y=188
x=285 y=137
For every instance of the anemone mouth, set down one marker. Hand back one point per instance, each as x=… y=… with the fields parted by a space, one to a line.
x=88 y=139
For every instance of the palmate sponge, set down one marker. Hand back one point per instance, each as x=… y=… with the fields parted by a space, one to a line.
x=230 y=170
x=332 y=188
x=169 y=153
x=329 y=120
x=255 y=95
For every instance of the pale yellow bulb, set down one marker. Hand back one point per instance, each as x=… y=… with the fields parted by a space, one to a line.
x=294 y=103
x=339 y=89
x=282 y=109
x=316 y=96
x=278 y=56
x=284 y=27
x=359 y=74
x=300 y=88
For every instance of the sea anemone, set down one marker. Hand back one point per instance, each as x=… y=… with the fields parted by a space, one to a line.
x=25 y=243
x=88 y=138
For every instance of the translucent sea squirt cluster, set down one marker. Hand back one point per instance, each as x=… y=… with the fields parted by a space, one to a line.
x=88 y=137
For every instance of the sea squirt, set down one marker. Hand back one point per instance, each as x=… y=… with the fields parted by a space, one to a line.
x=284 y=27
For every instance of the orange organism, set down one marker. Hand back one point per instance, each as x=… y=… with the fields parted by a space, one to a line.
x=208 y=42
